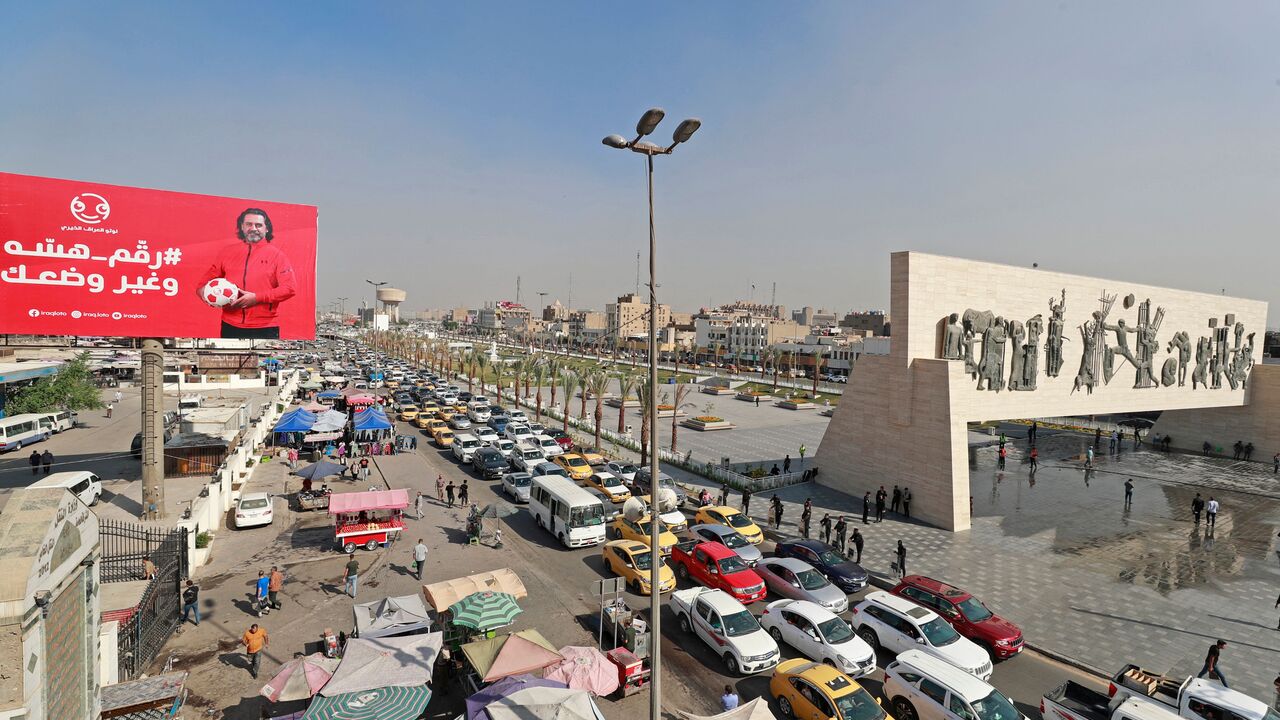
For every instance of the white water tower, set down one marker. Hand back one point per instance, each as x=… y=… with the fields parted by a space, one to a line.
x=391 y=299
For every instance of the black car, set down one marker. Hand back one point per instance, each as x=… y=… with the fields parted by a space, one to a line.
x=464 y=397
x=489 y=463
x=840 y=570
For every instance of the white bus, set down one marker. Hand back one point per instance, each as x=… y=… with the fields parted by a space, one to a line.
x=21 y=430
x=573 y=515
x=56 y=422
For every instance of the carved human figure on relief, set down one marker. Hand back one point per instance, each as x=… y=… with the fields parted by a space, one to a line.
x=1244 y=362
x=975 y=323
x=1204 y=356
x=1087 y=376
x=1053 y=345
x=1121 y=348
x=992 y=368
x=1016 y=335
x=953 y=338
x=1182 y=343
x=1031 y=354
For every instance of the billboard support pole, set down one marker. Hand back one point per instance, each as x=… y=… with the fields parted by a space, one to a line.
x=152 y=429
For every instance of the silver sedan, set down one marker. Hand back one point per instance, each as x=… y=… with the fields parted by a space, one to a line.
x=516 y=486
x=798 y=580
x=729 y=538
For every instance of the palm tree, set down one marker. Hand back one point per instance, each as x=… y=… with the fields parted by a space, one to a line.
x=597 y=383
x=681 y=392
x=481 y=361
x=819 y=356
x=645 y=392
x=539 y=375
x=470 y=359
x=765 y=357
x=582 y=396
x=553 y=373
x=626 y=386
x=498 y=367
x=571 y=381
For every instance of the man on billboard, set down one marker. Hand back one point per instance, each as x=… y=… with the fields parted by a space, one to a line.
x=256 y=274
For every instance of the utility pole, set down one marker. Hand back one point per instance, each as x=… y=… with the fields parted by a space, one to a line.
x=517 y=289
x=342 y=302
x=153 y=429
x=637 y=273
x=570 y=292
x=773 y=299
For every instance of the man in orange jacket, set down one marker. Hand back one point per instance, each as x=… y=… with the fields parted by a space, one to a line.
x=254 y=640
x=263 y=274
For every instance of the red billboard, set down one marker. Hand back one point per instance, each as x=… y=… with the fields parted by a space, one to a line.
x=80 y=258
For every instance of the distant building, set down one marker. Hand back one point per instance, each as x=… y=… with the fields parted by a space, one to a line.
x=741 y=331
x=873 y=320
x=629 y=316
x=586 y=326
x=554 y=312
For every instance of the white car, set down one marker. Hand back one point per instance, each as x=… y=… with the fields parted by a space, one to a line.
x=898 y=625
x=516 y=486
x=920 y=686
x=626 y=471
x=460 y=422
x=549 y=446
x=727 y=627
x=517 y=416
x=478 y=413
x=537 y=428
x=464 y=445
x=819 y=635
x=519 y=433
x=253 y=509
x=504 y=446
x=485 y=434
x=526 y=457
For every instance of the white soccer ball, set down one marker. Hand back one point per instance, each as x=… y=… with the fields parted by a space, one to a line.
x=219 y=292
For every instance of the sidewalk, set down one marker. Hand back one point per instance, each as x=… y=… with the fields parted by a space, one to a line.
x=1086 y=580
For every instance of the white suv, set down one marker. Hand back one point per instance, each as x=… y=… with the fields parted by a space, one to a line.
x=923 y=687
x=899 y=625
x=526 y=457
x=519 y=433
x=464 y=446
x=549 y=446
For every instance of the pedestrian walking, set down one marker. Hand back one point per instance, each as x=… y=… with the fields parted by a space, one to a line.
x=775 y=505
x=1197 y=506
x=858 y=542
x=805 y=514
x=448 y=493
x=1000 y=462
x=786 y=463
x=1212 y=667
x=746 y=502
x=866 y=506
x=1211 y=513
x=463 y=493
x=1205 y=448
x=293 y=458
x=1248 y=451
x=420 y=557
x=276 y=582
x=1237 y=450
x=46 y=459
x=1128 y=493
x=895 y=504
x=119 y=396
x=350 y=576
x=841 y=526
x=364 y=468
x=729 y=700
x=1097 y=437
x=440 y=488
x=254 y=640
x=34 y=460
x=1002 y=441
x=724 y=494
x=1111 y=444
x=1035 y=458
x=902 y=559
x=191 y=601
x=1275 y=463
x=1031 y=433
x=418 y=501
x=881 y=496
x=261 y=588
x=906 y=501
x=148 y=568
x=110 y=407
x=825 y=524
x=1088 y=458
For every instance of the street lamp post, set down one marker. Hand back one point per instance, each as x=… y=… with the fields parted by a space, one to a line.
x=647 y=124
x=373 y=312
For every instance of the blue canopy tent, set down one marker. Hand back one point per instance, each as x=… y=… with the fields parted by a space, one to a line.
x=299 y=420
x=328 y=395
x=373 y=418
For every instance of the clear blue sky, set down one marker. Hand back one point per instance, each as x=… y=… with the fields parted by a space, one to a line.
x=453 y=146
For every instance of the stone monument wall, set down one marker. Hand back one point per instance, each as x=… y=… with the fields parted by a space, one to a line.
x=1258 y=422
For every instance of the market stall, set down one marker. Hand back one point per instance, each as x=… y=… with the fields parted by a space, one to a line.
x=442 y=595
x=367 y=519
x=391 y=616
x=368 y=664
x=502 y=688
x=492 y=659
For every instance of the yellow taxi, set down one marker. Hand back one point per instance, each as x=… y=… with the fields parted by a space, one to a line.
x=639 y=530
x=423 y=420
x=429 y=408
x=574 y=464
x=391 y=384
x=460 y=408
x=727 y=516
x=446 y=413
x=443 y=437
x=632 y=561
x=592 y=456
x=808 y=689
x=610 y=485
x=408 y=412
x=434 y=426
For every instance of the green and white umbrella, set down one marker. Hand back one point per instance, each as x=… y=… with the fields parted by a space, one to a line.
x=386 y=703
x=485 y=610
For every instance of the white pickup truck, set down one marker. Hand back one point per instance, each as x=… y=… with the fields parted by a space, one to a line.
x=1135 y=694
x=727 y=627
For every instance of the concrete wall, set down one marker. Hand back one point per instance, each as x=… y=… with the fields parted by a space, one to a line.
x=1258 y=422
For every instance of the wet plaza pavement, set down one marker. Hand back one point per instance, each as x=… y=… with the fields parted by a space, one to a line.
x=1093 y=581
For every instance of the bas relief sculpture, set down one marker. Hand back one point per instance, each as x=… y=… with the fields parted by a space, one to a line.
x=1000 y=353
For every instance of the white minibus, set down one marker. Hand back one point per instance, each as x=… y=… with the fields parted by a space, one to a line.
x=573 y=515
x=82 y=483
x=21 y=430
x=56 y=422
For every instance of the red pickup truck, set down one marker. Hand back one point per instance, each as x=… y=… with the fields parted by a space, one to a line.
x=716 y=566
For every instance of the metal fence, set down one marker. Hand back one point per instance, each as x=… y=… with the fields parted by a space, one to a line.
x=125 y=549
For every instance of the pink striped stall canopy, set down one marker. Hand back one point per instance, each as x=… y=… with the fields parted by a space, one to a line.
x=372 y=500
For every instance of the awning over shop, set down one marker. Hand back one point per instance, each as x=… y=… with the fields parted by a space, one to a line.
x=371 y=500
x=330 y=420
x=373 y=419
x=298 y=420
x=520 y=652
x=391 y=616
x=442 y=595
x=321 y=437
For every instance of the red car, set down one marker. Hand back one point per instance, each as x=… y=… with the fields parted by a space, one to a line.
x=562 y=439
x=966 y=614
x=716 y=566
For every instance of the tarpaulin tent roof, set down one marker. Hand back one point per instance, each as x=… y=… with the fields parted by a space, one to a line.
x=328 y=394
x=442 y=595
x=369 y=663
x=314 y=406
x=330 y=420
x=350 y=390
x=512 y=654
x=503 y=688
x=372 y=419
x=362 y=400
x=391 y=616
x=757 y=709
x=321 y=437
x=539 y=703
x=371 y=500
x=299 y=420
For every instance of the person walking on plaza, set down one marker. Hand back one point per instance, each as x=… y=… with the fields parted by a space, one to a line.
x=350 y=577
x=906 y=501
x=261 y=588
x=825 y=524
x=1275 y=463
x=364 y=468
x=254 y=640
x=1212 y=668
x=786 y=463
x=1128 y=493
x=866 y=506
x=191 y=601
x=148 y=567
x=293 y=458
x=775 y=506
x=841 y=526
x=463 y=493
x=1031 y=432
x=1000 y=462
x=858 y=542
x=1237 y=450
x=729 y=700
x=881 y=496
x=276 y=582
x=1248 y=451
x=420 y=557
x=902 y=559
x=1111 y=442
x=1097 y=437
x=1035 y=457
x=440 y=488
x=1197 y=506
x=1088 y=458
x=110 y=407
x=1002 y=441
x=895 y=504
x=34 y=460
x=746 y=502
x=805 y=515
x=418 y=501
x=1211 y=513
x=724 y=494
x=448 y=493
x=119 y=396
x=46 y=459
x=1205 y=448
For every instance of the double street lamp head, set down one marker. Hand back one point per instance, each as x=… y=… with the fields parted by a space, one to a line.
x=647 y=124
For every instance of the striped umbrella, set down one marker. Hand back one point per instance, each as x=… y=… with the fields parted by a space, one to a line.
x=386 y=703
x=300 y=678
x=485 y=610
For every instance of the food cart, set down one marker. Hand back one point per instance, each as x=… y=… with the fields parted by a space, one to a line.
x=367 y=519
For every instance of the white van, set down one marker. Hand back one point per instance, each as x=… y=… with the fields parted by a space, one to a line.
x=573 y=515
x=926 y=687
x=20 y=430
x=83 y=484
x=56 y=422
